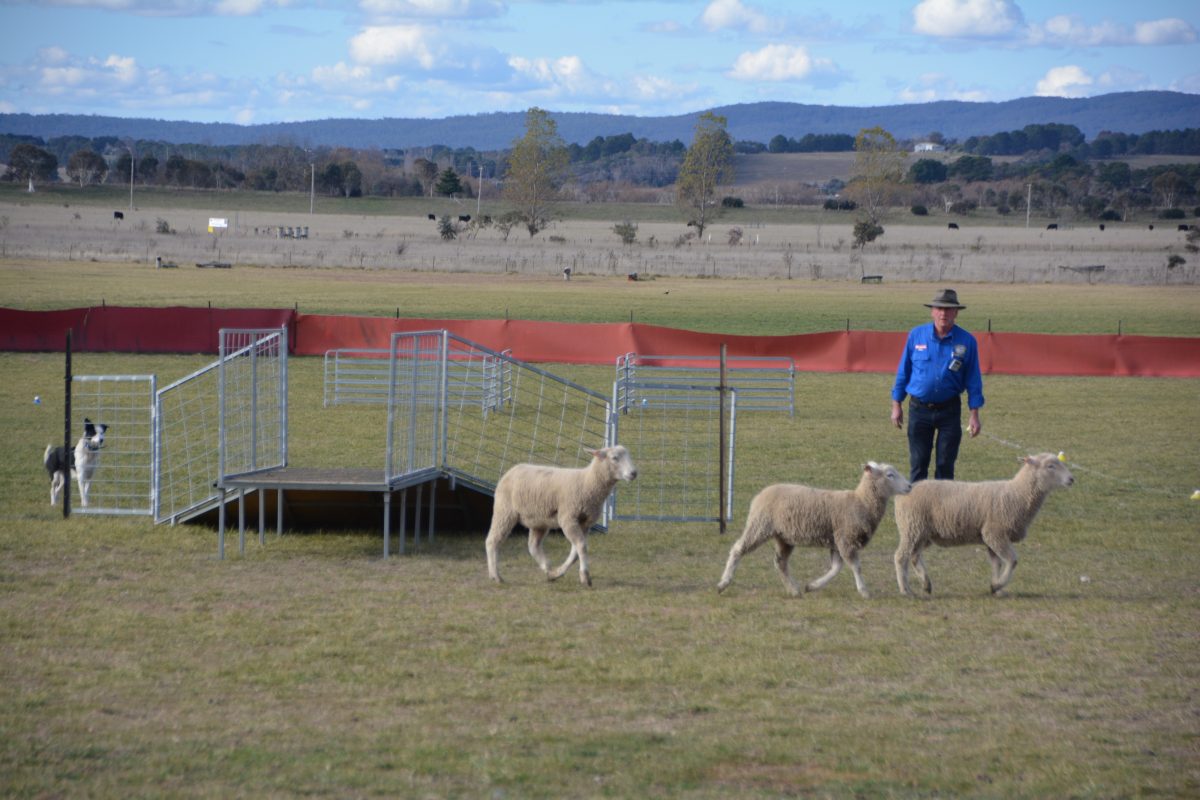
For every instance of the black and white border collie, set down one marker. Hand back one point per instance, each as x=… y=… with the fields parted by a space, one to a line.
x=80 y=464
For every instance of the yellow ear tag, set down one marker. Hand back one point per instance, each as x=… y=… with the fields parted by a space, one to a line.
x=1196 y=495
x=1062 y=456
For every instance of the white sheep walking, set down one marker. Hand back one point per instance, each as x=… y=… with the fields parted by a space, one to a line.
x=542 y=497
x=993 y=513
x=844 y=521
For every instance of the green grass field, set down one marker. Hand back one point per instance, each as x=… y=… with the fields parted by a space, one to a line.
x=137 y=664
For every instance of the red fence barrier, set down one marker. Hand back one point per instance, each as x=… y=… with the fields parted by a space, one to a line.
x=194 y=330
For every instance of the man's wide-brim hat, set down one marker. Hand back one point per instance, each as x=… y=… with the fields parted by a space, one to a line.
x=946 y=298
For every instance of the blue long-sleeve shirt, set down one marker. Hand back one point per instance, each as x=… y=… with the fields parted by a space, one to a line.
x=925 y=368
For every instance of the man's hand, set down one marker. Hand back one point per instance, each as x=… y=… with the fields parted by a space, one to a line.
x=898 y=415
x=974 y=426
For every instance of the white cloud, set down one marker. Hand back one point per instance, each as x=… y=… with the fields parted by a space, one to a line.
x=394 y=44
x=173 y=8
x=53 y=55
x=434 y=9
x=969 y=19
x=1164 y=31
x=734 y=15
x=238 y=8
x=340 y=76
x=1066 y=81
x=778 y=62
x=567 y=73
x=647 y=88
x=1069 y=30
x=124 y=69
x=933 y=86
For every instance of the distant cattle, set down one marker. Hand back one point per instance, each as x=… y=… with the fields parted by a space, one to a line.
x=1101 y=226
x=464 y=217
x=433 y=217
x=1184 y=227
x=632 y=276
x=118 y=215
x=1151 y=226
x=1053 y=226
x=952 y=226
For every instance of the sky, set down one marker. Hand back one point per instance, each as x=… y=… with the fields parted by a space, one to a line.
x=259 y=61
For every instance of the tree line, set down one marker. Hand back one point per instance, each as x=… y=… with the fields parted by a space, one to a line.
x=533 y=173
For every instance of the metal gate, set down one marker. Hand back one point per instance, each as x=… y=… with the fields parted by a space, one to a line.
x=673 y=432
x=125 y=481
x=253 y=400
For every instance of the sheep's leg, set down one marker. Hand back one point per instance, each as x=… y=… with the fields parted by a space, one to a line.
x=578 y=539
x=905 y=554
x=751 y=538
x=918 y=565
x=536 y=537
x=502 y=525
x=783 y=551
x=996 y=564
x=1007 y=555
x=835 y=566
x=856 y=570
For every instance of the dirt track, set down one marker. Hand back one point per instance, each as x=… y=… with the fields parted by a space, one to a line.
x=1129 y=254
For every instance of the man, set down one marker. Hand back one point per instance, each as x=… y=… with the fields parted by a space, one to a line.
x=940 y=362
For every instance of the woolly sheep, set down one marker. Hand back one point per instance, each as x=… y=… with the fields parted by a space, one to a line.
x=844 y=521
x=993 y=513
x=542 y=497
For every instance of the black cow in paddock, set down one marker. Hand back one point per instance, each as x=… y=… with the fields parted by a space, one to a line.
x=1101 y=226
x=1184 y=227
x=952 y=226
x=1053 y=226
x=464 y=217
x=118 y=215
x=433 y=217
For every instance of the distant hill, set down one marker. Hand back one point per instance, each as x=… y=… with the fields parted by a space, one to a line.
x=1126 y=112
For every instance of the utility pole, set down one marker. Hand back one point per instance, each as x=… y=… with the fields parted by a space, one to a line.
x=1028 y=201
x=312 y=188
x=478 y=189
x=131 y=179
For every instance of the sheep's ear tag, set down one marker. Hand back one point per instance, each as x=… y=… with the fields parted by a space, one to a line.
x=1062 y=456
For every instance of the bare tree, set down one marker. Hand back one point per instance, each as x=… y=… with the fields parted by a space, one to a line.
x=536 y=166
x=878 y=170
x=707 y=165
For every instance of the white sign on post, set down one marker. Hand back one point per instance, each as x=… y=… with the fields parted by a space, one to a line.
x=217 y=222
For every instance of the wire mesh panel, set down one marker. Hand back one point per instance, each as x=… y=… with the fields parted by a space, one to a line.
x=123 y=480
x=356 y=375
x=188 y=442
x=362 y=375
x=673 y=431
x=417 y=384
x=764 y=383
x=253 y=400
x=531 y=416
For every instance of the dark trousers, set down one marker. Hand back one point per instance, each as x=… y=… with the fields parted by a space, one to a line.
x=924 y=426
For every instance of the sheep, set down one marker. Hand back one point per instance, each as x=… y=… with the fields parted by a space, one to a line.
x=993 y=513
x=542 y=497
x=844 y=521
